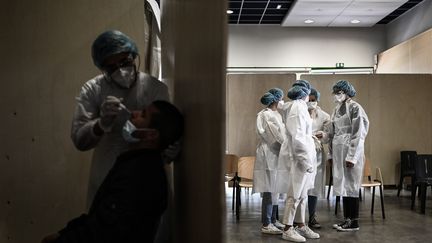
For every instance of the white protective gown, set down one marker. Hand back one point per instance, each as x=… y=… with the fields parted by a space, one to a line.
x=347 y=135
x=320 y=120
x=108 y=146
x=297 y=154
x=271 y=133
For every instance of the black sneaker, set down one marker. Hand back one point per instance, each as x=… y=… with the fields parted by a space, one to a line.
x=337 y=226
x=313 y=223
x=349 y=225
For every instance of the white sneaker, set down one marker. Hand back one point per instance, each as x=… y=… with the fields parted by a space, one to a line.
x=271 y=229
x=306 y=232
x=292 y=235
x=279 y=225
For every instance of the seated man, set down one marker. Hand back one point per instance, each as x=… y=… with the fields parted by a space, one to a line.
x=129 y=203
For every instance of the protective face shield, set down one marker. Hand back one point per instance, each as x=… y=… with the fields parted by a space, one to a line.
x=339 y=98
x=280 y=104
x=127 y=131
x=312 y=105
x=124 y=76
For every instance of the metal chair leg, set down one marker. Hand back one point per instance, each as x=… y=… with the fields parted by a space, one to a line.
x=373 y=200
x=423 y=198
x=330 y=184
x=400 y=185
x=413 y=195
x=382 y=201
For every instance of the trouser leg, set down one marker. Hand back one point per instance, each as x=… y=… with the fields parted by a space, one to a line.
x=346 y=207
x=275 y=199
x=355 y=204
x=266 y=208
x=300 y=215
x=312 y=202
x=290 y=210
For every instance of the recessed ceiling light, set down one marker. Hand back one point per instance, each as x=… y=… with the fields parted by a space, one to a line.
x=355 y=21
x=278 y=6
x=229 y=11
x=309 y=21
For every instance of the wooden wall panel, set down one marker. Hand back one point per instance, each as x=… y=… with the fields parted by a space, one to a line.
x=243 y=103
x=400 y=115
x=421 y=53
x=395 y=60
x=411 y=56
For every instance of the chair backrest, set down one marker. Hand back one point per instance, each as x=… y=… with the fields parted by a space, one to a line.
x=231 y=163
x=423 y=166
x=408 y=159
x=367 y=168
x=378 y=175
x=246 y=167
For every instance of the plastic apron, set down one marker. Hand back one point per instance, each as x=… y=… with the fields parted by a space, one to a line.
x=347 y=181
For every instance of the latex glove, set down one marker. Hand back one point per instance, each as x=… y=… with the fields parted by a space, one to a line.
x=109 y=110
x=171 y=153
x=318 y=146
x=319 y=134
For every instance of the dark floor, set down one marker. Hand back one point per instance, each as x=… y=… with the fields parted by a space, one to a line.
x=401 y=223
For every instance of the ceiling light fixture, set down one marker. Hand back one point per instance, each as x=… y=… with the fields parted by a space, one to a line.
x=229 y=11
x=355 y=21
x=278 y=6
x=309 y=21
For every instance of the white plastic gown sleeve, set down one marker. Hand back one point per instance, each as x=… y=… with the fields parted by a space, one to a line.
x=359 y=130
x=108 y=146
x=270 y=131
x=269 y=128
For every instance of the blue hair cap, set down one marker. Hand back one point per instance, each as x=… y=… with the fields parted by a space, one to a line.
x=109 y=43
x=278 y=93
x=345 y=86
x=268 y=98
x=315 y=93
x=302 y=85
x=297 y=92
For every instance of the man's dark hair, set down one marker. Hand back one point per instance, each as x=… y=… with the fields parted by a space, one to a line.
x=169 y=122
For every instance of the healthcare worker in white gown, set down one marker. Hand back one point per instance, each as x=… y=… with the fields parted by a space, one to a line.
x=297 y=163
x=320 y=120
x=347 y=135
x=100 y=115
x=271 y=133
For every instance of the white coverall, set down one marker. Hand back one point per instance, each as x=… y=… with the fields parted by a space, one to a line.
x=347 y=136
x=108 y=146
x=297 y=160
x=320 y=120
x=271 y=134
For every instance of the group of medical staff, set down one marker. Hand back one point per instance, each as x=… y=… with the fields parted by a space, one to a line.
x=290 y=157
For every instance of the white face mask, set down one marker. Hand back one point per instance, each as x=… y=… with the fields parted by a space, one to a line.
x=339 y=98
x=124 y=76
x=127 y=131
x=306 y=98
x=312 y=105
x=280 y=104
